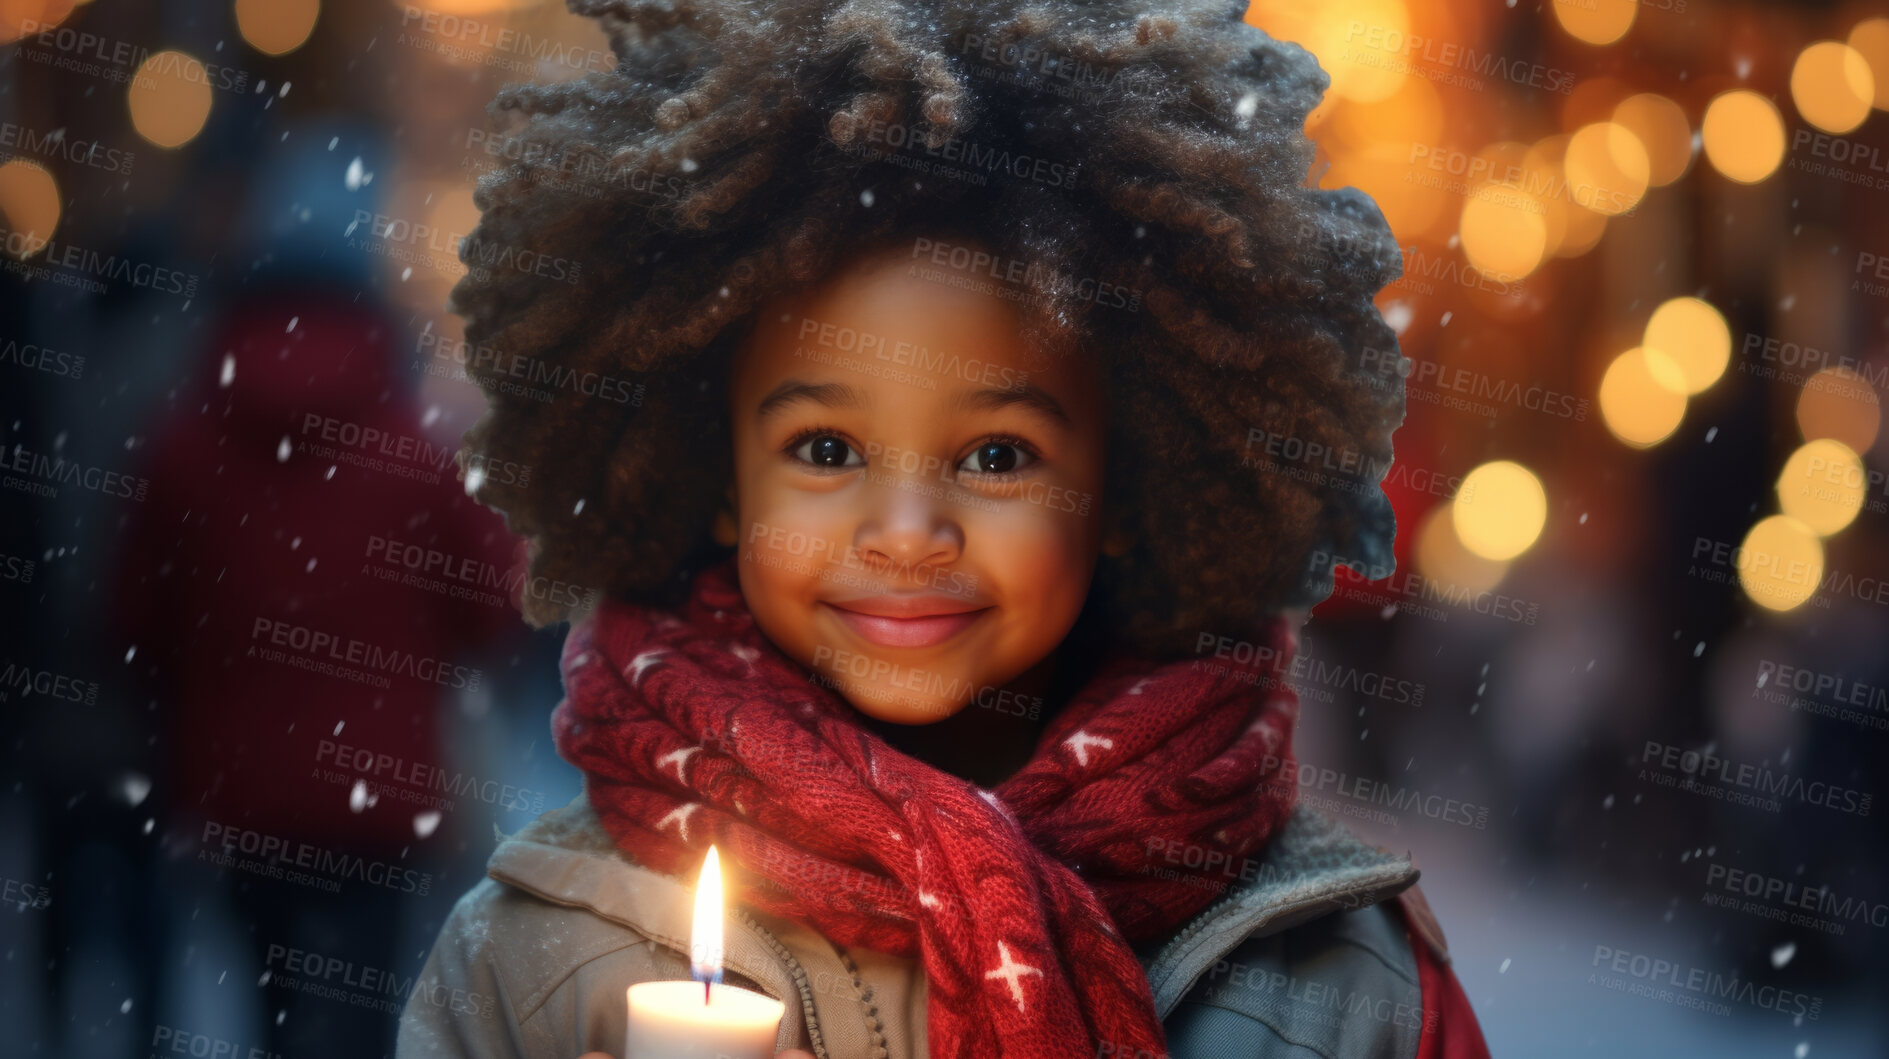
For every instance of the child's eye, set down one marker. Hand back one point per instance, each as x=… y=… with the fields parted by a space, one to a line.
x=828 y=451
x=998 y=456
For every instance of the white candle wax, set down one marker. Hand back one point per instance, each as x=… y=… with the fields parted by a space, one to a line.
x=668 y=1020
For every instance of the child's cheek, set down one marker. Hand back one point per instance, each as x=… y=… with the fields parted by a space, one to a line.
x=1040 y=557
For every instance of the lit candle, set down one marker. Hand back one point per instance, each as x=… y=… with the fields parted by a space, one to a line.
x=702 y=1018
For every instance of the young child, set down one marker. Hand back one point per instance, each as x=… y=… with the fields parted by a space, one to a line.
x=941 y=595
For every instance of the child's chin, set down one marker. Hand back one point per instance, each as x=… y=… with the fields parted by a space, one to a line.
x=898 y=707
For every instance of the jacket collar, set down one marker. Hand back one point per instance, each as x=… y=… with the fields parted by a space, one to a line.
x=1312 y=867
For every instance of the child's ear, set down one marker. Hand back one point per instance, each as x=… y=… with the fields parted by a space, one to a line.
x=727 y=530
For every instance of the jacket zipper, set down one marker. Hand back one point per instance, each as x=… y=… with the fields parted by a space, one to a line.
x=1194 y=926
x=799 y=973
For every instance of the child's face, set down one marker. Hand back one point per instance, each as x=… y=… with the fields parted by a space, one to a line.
x=917 y=492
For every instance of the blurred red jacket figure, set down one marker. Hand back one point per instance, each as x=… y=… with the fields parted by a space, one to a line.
x=305 y=579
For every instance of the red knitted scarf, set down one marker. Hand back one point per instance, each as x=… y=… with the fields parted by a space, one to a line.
x=1020 y=902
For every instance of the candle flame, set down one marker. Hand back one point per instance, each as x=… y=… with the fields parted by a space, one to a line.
x=705 y=948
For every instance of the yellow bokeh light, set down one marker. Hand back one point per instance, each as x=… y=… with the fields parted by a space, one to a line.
x=1606 y=167
x=1832 y=86
x=1504 y=230
x=1642 y=397
x=1499 y=510
x=276 y=27
x=1870 y=38
x=1443 y=560
x=1596 y=21
x=169 y=99
x=29 y=200
x=1822 y=485
x=1780 y=563
x=1661 y=127
x=1385 y=173
x=1743 y=134
x=19 y=18
x=1837 y=403
x=1694 y=336
x=1411 y=115
x=472 y=7
x=1363 y=45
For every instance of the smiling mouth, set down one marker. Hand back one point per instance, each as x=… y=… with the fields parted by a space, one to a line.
x=925 y=630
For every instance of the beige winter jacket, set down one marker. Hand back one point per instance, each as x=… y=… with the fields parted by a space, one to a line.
x=534 y=960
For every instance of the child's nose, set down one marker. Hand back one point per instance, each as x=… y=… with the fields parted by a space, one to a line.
x=905 y=525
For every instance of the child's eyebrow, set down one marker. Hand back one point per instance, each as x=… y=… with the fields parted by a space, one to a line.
x=990 y=400
x=831 y=394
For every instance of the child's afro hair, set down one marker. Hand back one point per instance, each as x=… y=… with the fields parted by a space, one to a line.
x=743 y=149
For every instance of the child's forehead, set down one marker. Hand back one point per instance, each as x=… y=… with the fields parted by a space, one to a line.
x=901 y=347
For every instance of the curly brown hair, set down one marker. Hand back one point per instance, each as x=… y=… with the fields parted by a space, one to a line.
x=740 y=151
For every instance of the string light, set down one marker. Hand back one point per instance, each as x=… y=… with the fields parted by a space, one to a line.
x=1832 y=86
x=169 y=99
x=1642 y=397
x=1499 y=510
x=1744 y=135
x=276 y=27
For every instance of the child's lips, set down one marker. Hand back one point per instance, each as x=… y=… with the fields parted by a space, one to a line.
x=918 y=630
